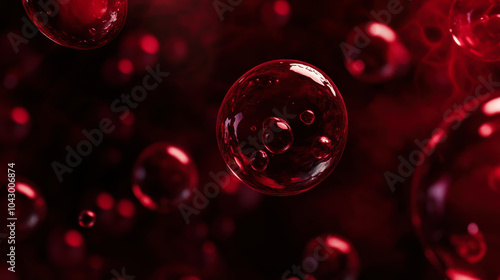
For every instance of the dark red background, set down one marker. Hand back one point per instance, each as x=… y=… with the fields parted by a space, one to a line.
x=66 y=90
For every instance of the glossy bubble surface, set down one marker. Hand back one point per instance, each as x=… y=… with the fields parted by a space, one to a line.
x=86 y=219
x=79 y=24
x=475 y=26
x=269 y=121
x=373 y=53
x=29 y=208
x=163 y=177
x=330 y=257
x=455 y=193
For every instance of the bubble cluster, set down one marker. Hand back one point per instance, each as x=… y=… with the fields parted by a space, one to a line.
x=455 y=193
x=282 y=127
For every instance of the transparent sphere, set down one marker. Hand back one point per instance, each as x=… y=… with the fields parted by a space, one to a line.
x=163 y=177
x=30 y=208
x=79 y=24
x=86 y=219
x=269 y=125
x=455 y=194
x=373 y=53
x=475 y=26
x=330 y=257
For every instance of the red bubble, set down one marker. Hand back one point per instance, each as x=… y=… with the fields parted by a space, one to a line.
x=373 y=53
x=30 y=207
x=270 y=120
x=86 y=219
x=79 y=24
x=163 y=177
x=475 y=26
x=455 y=193
x=330 y=257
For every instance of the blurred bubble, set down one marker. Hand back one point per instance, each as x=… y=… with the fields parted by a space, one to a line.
x=330 y=257
x=86 y=219
x=29 y=206
x=475 y=26
x=276 y=13
x=138 y=49
x=15 y=123
x=66 y=247
x=117 y=71
x=454 y=194
x=163 y=177
x=373 y=53
x=175 y=50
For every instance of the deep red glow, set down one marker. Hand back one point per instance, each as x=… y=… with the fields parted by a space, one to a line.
x=150 y=44
x=20 y=115
x=73 y=238
x=282 y=7
x=105 y=201
x=209 y=248
x=129 y=119
x=126 y=208
x=125 y=66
